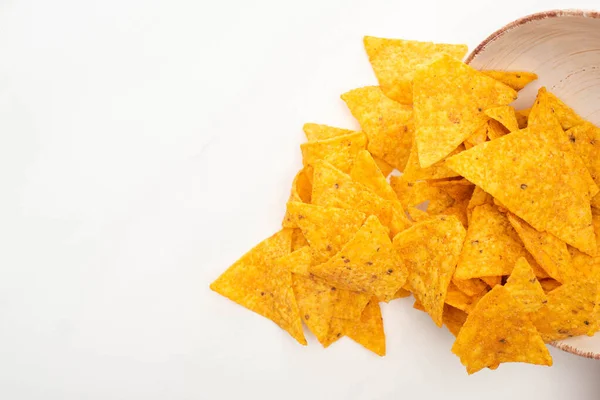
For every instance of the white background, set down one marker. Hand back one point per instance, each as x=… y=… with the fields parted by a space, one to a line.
x=144 y=146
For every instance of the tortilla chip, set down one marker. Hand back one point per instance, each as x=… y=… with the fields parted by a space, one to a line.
x=549 y=284
x=505 y=115
x=255 y=284
x=401 y=293
x=449 y=102
x=498 y=331
x=565 y=115
x=333 y=188
x=522 y=117
x=478 y=198
x=365 y=171
x=389 y=125
x=492 y=247
x=458 y=299
x=301 y=192
x=350 y=305
x=525 y=288
x=492 y=281
x=430 y=250
x=298 y=239
x=496 y=130
x=297 y=261
x=316 y=132
x=584 y=264
x=454 y=319
x=368 y=331
x=316 y=301
x=515 y=79
x=417 y=215
x=326 y=229
x=585 y=139
x=384 y=167
x=394 y=62
x=367 y=263
x=471 y=287
x=459 y=210
x=550 y=252
x=458 y=189
x=412 y=194
x=413 y=171
x=525 y=171
x=478 y=137
x=568 y=312
x=340 y=151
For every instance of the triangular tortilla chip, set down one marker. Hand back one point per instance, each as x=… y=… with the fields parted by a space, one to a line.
x=389 y=125
x=333 y=188
x=413 y=171
x=499 y=331
x=430 y=250
x=301 y=192
x=550 y=252
x=401 y=293
x=478 y=198
x=549 y=284
x=458 y=189
x=566 y=116
x=339 y=151
x=525 y=171
x=515 y=79
x=316 y=301
x=316 y=132
x=584 y=264
x=522 y=117
x=492 y=247
x=471 y=287
x=394 y=62
x=255 y=283
x=458 y=299
x=525 y=288
x=492 y=281
x=350 y=305
x=454 y=319
x=585 y=139
x=504 y=115
x=367 y=263
x=368 y=331
x=414 y=193
x=298 y=239
x=495 y=130
x=449 y=102
x=297 y=261
x=479 y=136
x=384 y=167
x=327 y=229
x=459 y=210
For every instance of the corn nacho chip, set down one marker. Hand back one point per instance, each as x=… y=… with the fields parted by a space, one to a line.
x=368 y=331
x=414 y=172
x=449 y=100
x=550 y=252
x=388 y=125
x=401 y=293
x=430 y=250
x=297 y=261
x=458 y=189
x=498 y=331
x=417 y=215
x=394 y=62
x=471 y=287
x=492 y=281
x=495 y=130
x=301 y=192
x=584 y=264
x=316 y=132
x=350 y=305
x=479 y=136
x=298 y=239
x=522 y=171
x=255 y=284
x=458 y=299
x=316 y=301
x=326 y=229
x=549 y=284
x=525 y=288
x=585 y=139
x=505 y=115
x=412 y=194
x=522 y=117
x=566 y=116
x=333 y=188
x=384 y=167
x=454 y=319
x=515 y=79
x=367 y=263
x=339 y=151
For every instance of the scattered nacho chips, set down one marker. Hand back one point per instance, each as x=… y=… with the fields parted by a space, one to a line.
x=525 y=288
x=515 y=79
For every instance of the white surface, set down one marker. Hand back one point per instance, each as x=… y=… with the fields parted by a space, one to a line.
x=145 y=145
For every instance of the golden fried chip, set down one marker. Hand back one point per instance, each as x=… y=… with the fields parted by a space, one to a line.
x=479 y=136
x=458 y=299
x=339 y=151
x=413 y=171
x=458 y=189
x=297 y=261
x=522 y=117
x=525 y=288
x=301 y=192
x=550 y=252
x=549 y=284
x=505 y=115
x=459 y=210
x=565 y=115
x=492 y=247
x=389 y=125
x=584 y=264
x=367 y=263
x=368 y=331
x=298 y=239
x=316 y=132
x=449 y=102
x=478 y=198
x=384 y=167
x=394 y=62
x=471 y=287
x=499 y=331
x=316 y=301
x=417 y=215
x=401 y=293
x=585 y=139
x=350 y=305
x=412 y=194
x=255 y=284
x=525 y=171
x=430 y=250
x=515 y=79
x=326 y=229
x=365 y=171
x=568 y=312
x=492 y=281
x=495 y=130
x=454 y=319
x=333 y=188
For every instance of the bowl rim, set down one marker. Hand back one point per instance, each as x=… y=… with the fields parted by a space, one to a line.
x=501 y=32
x=527 y=19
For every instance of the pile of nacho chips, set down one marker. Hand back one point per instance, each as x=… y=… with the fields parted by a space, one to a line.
x=490 y=219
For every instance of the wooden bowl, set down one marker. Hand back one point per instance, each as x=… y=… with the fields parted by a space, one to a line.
x=563 y=48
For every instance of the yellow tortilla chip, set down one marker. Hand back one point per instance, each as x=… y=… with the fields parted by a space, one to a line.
x=430 y=250
x=546 y=101
x=525 y=171
x=454 y=319
x=326 y=229
x=492 y=247
x=350 y=305
x=333 y=188
x=459 y=210
x=515 y=79
x=584 y=264
x=498 y=331
x=384 y=167
x=301 y=192
x=401 y=293
x=413 y=171
x=458 y=299
x=316 y=301
x=525 y=288
x=505 y=115
x=394 y=62
x=389 y=125
x=316 y=132
x=496 y=130
x=585 y=139
x=339 y=151
x=522 y=117
x=412 y=194
x=471 y=287
x=492 y=281
x=550 y=252
x=255 y=284
x=367 y=263
x=478 y=198
x=297 y=261
x=449 y=102
x=478 y=137
x=368 y=331
x=417 y=215
x=549 y=284
x=298 y=239
x=458 y=189
x=569 y=311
